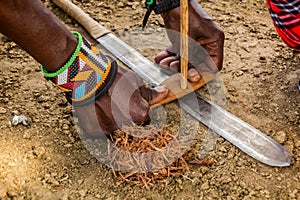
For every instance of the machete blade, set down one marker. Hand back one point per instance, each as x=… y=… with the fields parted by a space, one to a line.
x=244 y=136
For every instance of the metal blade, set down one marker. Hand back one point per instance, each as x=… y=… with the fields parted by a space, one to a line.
x=149 y=71
x=244 y=136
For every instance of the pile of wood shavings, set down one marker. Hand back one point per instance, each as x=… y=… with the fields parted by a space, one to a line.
x=164 y=148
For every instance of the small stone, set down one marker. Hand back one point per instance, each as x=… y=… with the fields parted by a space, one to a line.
x=65 y=127
x=121 y=5
x=2 y=110
x=280 y=137
x=27 y=134
x=205 y=186
x=179 y=181
x=242 y=184
x=15 y=112
x=204 y=169
x=256 y=74
x=239 y=73
x=20 y=119
x=51 y=180
x=274 y=35
x=68 y=145
x=12 y=194
x=39 y=151
x=257 y=105
x=225 y=179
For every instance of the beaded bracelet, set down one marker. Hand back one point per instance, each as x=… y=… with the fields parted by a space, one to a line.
x=86 y=76
x=68 y=64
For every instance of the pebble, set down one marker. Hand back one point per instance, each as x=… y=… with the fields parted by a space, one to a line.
x=2 y=110
x=204 y=169
x=257 y=105
x=225 y=179
x=39 y=151
x=65 y=127
x=12 y=194
x=239 y=73
x=280 y=137
x=205 y=186
x=20 y=119
x=68 y=145
x=49 y=179
x=242 y=184
x=15 y=112
x=121 y=5
x=27 y=134
x=179 y=181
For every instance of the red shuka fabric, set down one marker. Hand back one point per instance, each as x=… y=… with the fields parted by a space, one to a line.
x=286 y=18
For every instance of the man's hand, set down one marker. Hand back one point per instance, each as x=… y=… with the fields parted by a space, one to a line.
x=206 y=42
x=32 y=26
x=127 y=100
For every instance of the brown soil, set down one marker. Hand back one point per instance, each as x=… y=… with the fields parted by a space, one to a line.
x=47 y=159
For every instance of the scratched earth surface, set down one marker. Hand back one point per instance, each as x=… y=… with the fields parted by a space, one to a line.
x=47 y=160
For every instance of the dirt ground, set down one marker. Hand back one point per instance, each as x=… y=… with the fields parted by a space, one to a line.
x=47 y=159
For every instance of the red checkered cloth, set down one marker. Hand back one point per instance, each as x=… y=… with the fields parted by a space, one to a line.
x=286 y=18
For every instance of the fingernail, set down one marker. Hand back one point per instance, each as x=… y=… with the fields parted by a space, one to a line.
x=193 y=72
x=193 y=75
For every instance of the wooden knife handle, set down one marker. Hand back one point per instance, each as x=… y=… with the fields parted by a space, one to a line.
x=91 y=26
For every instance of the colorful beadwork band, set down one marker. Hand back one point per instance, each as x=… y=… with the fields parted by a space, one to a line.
x=86 y=76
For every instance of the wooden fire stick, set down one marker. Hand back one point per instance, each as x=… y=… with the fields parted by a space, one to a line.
x=184 y=26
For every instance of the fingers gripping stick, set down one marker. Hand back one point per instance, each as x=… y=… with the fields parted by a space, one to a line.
x=133 y=59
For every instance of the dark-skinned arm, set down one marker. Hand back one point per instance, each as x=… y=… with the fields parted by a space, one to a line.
x=36 y=30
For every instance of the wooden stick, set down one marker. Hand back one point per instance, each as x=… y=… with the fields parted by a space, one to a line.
x=92 y=27
x=184 y=20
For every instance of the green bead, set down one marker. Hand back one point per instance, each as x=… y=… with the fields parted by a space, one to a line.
x=69 y=63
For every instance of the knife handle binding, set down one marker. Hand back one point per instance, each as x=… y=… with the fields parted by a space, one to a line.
x=91 y=26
